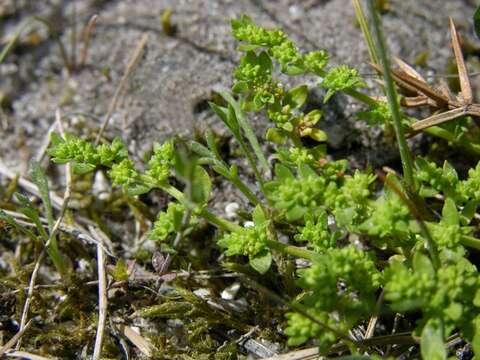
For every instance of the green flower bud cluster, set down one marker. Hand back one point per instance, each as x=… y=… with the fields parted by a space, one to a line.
x=470 y=187
x=168 y=222
x=300 y=329
x=286 y=53
x=72 y=148
x=87 y=157
x=297 y=196
x=407 y=289
x=161 y=161
x=316 y=61
x=257 y=87
x=244 y=29
x=450 y=293
x=390 y=218
x=248 y=241
x=334 y=170
x=341 y=78
x=378 y=115
x=343 y=281
x=436 y=180
x=350 y=202
x=124 y=174
x=317 y=233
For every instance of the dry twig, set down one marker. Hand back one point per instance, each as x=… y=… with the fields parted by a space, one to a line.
x=102 y=302
x=420 y=93
x=128 y=71
x=56 y=227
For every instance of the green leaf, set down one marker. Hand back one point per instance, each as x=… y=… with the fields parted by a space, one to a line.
x=240 y=87
x=212 y=144
x=476 y=337
x=137 y=189
x=222 y=170
x=201 y=186
x=313 y=117
x=468 y=212
x=81 y=168
x=11 y=221
x=293 y=70
x=29 y=211
x=450 y=214
x=247 y=128
x=265 y=62
x=476 y=21
x=318 y=135
x=201 y=150
x=40 y=179
x=295 y=213
x=275 y=135
x=297 y=96
x=306 y=171
x=423 y=265
x=247 y=47
x=119 y=272
x=287 y=126
x=431 y=344
x=233 y=171
x=282 y=172
x=258 y=215
x=261 y=262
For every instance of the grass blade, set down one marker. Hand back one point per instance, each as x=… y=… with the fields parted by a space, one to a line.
x=40 y=179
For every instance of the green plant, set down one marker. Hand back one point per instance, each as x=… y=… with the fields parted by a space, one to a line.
x=343 y=222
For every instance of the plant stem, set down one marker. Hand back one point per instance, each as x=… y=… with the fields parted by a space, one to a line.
x=245 y=191
x=470 y=241
x=362 y=21
x=293 y=250
x=407 y=163
x=448 y=136
x=230 y=226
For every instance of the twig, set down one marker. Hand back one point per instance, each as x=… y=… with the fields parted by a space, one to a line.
x=128 y=71
x=304 y=354
x=57 y=201
x=14 y=339
x=56 y=227
x=373 y=320
x=139 y=341
x=102 y=302
x=26 y=355
x=87 y=33
x=45 y=143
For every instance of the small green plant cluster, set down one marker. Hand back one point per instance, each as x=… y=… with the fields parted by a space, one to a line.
x=373 y=247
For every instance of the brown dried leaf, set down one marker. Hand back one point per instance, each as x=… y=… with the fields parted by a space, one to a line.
x=466 y=88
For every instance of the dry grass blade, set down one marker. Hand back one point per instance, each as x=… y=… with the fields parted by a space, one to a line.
x=87 y=34
x=408 y=69
x=416 y=101
x=139 y=341
x=130 y=67
x=438 y=119
x=53 y=233
x=26 y=355
x=466 y=89
x=305 y=354
x=102 y=302
x=422 y=87
x=10 y=343
x=415 y=86
x=411 y=90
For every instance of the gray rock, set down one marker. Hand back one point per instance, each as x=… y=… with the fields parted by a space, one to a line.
x=167 y=93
